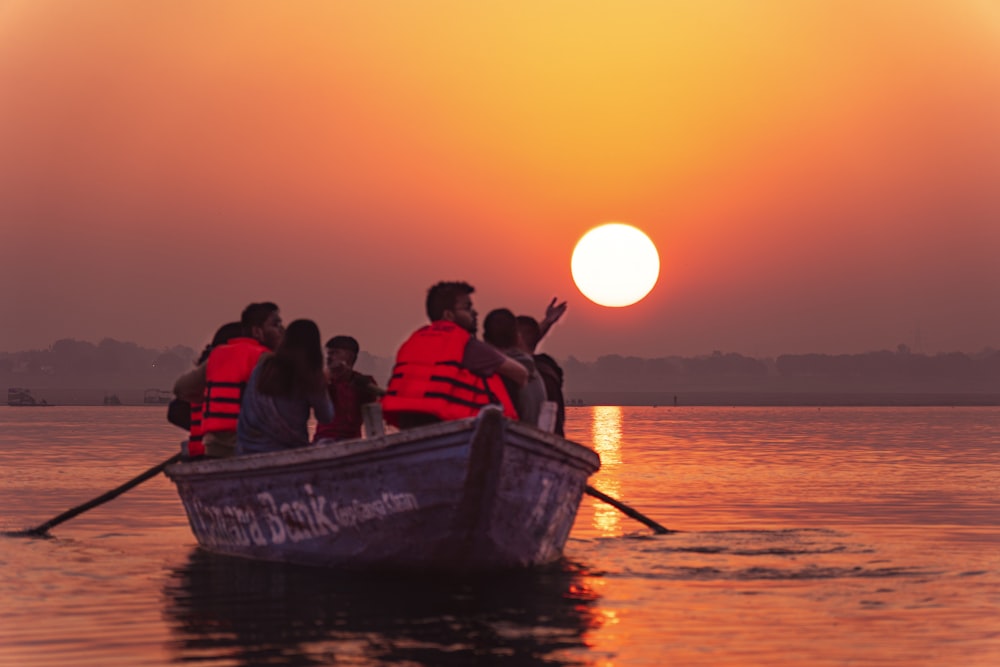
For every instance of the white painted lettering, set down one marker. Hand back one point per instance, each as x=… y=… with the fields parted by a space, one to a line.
x=303 y=518
x=273 y=519
x=322 y=522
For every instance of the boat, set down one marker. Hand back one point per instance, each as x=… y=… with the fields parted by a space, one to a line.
x=20 y=397
x=479 y=494
x=112 y=399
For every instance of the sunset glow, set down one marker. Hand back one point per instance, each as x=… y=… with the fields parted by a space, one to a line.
x=817 y=177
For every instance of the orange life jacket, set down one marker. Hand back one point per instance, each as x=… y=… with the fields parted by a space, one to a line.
x=429 y=377
x=226 y=373
x=195 y=446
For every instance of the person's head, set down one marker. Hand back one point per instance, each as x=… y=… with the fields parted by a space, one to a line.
x=297 y=365
x=263 y=322
x=530 y=331
x=500 y=329
x=451 y=301
x=225 y=333
x=301 y=341
x=341 y=353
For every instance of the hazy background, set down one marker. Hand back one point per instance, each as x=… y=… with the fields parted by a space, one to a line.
x=818 y=176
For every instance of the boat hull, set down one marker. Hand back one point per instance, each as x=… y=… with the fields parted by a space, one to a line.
x=477 y=494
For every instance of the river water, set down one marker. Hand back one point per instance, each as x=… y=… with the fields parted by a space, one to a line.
x=833 y=536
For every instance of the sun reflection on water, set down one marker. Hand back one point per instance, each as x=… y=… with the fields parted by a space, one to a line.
x=606 y=434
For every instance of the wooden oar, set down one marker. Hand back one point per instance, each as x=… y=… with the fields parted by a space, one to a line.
x=628 y=511
x=42 y=529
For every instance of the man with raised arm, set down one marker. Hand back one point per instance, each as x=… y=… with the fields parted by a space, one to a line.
x=552 y=375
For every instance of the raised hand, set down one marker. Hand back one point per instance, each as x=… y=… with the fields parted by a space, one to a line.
x=554 y=311
x=552 y=314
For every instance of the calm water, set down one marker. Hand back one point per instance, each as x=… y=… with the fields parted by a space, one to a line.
x=841 y=536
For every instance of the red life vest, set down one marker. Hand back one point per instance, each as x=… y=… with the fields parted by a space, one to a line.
x=195 y=446
x=429 y=377
x=226 y=373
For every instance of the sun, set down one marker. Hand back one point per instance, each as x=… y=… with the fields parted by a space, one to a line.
x=615 y=265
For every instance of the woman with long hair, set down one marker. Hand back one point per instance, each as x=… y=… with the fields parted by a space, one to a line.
x=282 y=389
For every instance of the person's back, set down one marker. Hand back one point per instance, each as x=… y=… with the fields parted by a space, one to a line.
x=430 y=379
x=282 y=390
x=227 y=371
x=219 y=382
x=271 y=423
x=552 y=375
x=500 y=330
x=442 y=372
x=195 y=447
x=529 y=398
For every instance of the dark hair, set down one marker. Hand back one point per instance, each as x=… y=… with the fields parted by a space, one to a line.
x=296 y=368
x=255 y=315
x=444 y=296
x=500 y=329
x=344 y=343
x=531 y=332
x=223 y=335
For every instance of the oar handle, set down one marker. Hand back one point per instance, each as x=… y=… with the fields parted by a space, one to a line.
x=100 y=500
x=619 y=505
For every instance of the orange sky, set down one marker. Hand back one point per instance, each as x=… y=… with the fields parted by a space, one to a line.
x=818 y=176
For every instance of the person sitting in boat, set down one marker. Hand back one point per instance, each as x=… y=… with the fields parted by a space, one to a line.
x=500 y=330
x=348 y=389
x=443 y=371
x=281 y=391
x=219 y=382
x=188 y=415
x=552 y=374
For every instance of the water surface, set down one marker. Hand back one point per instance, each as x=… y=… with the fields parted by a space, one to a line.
x=838 y=536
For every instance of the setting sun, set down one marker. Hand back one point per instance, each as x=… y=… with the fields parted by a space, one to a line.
x=615 y=265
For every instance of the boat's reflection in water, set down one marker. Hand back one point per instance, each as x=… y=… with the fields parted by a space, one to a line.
x=606 y=434
x=226 y=610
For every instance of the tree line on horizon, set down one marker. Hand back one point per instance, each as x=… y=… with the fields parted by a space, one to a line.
x=73 y=362
x=883 y=370
x=70 y=362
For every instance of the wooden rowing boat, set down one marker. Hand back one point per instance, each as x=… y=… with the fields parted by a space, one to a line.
x=478 y=494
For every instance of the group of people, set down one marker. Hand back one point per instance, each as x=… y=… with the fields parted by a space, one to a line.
x=255 y=385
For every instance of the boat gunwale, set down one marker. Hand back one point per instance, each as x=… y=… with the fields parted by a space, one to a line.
x=304 y=457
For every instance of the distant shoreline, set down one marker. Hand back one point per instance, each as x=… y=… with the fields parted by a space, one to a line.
x=134 y=398
x=78 y=373
x=781 y=399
